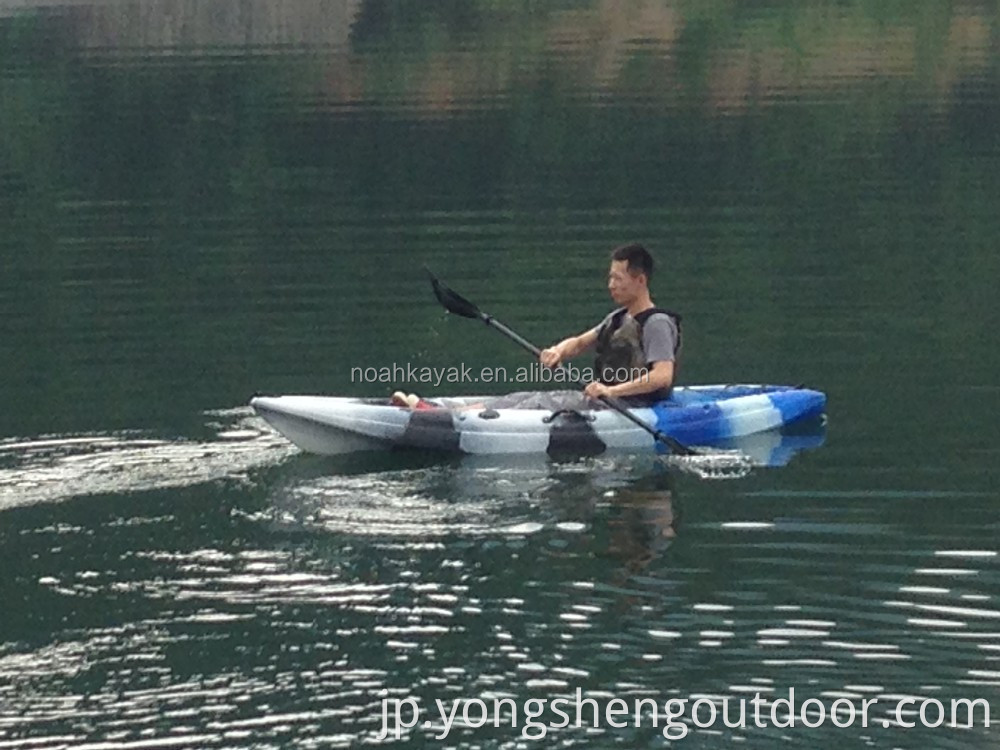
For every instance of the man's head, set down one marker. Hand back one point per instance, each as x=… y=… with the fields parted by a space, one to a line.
x=628 y=277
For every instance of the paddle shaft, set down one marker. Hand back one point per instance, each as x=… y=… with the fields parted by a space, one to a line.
x=610 y=401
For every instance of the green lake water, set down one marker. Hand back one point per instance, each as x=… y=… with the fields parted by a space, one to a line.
x=203 y=200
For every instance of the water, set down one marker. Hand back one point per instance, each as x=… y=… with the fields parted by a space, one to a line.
x=200 y=201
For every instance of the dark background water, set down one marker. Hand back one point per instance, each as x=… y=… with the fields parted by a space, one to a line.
x=203 y=200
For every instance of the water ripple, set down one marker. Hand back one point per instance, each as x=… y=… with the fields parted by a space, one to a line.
x=51 y=469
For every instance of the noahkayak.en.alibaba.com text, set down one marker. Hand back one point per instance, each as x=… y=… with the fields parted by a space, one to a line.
x=675 y=717
x=533 y=373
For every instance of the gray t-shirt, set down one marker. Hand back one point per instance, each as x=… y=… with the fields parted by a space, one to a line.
x=659 y=336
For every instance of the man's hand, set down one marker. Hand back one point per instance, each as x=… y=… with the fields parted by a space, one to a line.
x=568 y=348
x=597 y=389
x=550 y=357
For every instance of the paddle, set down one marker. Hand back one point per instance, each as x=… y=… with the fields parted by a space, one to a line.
x=456 y=303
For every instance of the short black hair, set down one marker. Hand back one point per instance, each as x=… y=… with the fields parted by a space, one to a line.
x=638 y=257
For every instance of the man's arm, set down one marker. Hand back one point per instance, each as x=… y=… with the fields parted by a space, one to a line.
x=568 y=348
x=660 y=376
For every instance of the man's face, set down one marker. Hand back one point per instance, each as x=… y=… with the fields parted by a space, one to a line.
x=623 y=286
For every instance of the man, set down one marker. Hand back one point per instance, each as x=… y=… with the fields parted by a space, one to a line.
x=637 y=344
x=636 y=349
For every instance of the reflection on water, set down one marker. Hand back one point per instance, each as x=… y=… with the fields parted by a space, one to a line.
x=645 y=519
x=281 y=609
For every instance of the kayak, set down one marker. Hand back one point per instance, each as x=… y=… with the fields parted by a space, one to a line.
x=694 y=415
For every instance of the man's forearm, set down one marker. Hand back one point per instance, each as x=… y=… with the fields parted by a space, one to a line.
x=660 y=377
x=571 y=347
x=567 y=349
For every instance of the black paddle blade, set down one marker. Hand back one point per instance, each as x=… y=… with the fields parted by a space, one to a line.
x=452 y=301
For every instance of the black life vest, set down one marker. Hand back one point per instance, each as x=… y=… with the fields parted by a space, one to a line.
x=620 y=356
